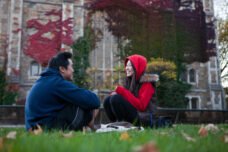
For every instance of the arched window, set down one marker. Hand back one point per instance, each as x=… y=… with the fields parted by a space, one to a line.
x=192 y=75
x=34 y=68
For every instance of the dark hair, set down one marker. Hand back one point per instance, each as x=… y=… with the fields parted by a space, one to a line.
x=60 y=59
x=131 y=84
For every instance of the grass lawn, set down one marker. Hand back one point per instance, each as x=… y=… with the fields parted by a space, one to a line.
x=166 y=140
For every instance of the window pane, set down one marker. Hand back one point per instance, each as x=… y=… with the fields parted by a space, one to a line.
x=192 y=75
x=184 y=76
x=34 y=71
x=212 y=63
x=194 y=103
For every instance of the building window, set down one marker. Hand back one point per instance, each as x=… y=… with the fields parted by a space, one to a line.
x=184 y=76
x=193 y=103
x=192 y=76
x=189 y=76
x=212 y=63
x=207 y=4
x=34 y=68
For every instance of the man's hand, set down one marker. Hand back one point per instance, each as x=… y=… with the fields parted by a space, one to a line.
x=91 y=123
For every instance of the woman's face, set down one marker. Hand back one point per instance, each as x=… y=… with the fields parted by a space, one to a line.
x=129 y=69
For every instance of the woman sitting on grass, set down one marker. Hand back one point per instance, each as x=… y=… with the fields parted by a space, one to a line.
x=133 y=102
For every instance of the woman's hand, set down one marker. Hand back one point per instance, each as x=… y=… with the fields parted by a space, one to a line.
x=113 y=93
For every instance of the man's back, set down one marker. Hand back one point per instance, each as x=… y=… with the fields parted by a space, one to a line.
x=50 y=94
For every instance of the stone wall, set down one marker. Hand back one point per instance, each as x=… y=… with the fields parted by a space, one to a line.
x=207 y=87
x=4 y=19
x=14 y=115
x=37 y=9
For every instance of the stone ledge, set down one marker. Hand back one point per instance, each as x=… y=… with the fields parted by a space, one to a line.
x=14 y=115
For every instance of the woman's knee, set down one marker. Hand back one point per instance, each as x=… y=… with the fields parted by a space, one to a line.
x=116 y=100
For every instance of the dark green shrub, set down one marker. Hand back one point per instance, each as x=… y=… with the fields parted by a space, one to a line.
x=170 y=92
x=2 y=86
x=8 y=92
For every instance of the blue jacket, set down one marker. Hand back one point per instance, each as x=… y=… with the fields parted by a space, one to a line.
x=50 y=93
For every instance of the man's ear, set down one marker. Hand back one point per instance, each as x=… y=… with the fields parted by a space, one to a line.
x=61 y=69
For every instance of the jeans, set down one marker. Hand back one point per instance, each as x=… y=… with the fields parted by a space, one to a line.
x=118 y=108
x=71 y=117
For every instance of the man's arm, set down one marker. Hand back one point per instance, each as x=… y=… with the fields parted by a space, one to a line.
x=78 y=96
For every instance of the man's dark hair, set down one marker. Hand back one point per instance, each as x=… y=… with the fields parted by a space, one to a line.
x=60 y=59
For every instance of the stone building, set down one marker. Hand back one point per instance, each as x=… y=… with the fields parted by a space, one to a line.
x=205 y=77
x=206 y=91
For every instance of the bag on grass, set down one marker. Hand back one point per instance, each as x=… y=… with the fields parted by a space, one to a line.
x=163 y=121
x=156 y=122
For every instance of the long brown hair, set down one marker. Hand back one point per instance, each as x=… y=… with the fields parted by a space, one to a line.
x=131 y=84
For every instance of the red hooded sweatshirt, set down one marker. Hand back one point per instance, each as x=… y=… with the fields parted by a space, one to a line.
x=146 y=91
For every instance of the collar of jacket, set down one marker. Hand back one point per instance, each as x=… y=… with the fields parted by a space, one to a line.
x=149 y=78
x=50 y=72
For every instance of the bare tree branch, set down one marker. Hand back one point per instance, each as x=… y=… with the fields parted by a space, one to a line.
x=223 y=46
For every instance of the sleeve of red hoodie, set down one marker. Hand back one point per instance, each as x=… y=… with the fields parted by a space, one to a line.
x=145 y=94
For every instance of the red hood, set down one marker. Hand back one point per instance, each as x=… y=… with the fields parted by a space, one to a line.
x=139 y=63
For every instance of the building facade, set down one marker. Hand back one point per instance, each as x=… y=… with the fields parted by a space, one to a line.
x=205 y=78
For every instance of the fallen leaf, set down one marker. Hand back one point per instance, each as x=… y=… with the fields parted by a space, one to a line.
x=2 y=140
x=225 y=138
x=187 y=137
x=125 y=136
x=11 y=135
x=70 y=134
x=203 y=131
x=212 y=127
x=38 y=131
x=1 y=143
x=149 y=147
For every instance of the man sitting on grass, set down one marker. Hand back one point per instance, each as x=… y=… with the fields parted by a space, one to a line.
x=54 y=102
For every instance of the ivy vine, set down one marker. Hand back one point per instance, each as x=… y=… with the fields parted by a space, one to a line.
x=81 y=50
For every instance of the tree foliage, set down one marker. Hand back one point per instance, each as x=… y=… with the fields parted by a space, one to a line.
x=2 y=86
x=223 y=47
x=170 y=93
x=8 y=90
x=165 y=69
x=171 y=29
